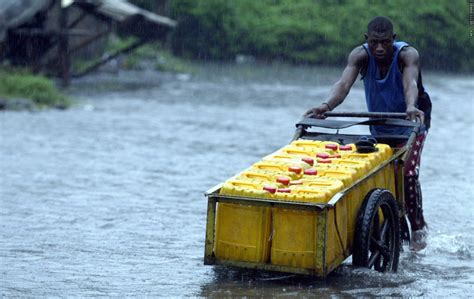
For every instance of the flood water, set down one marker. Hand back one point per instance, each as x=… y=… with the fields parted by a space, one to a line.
x=106 y=198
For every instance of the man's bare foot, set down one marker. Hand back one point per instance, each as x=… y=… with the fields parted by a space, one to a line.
x=418 y=240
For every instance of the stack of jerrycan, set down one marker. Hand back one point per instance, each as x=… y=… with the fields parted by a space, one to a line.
x=303 y=171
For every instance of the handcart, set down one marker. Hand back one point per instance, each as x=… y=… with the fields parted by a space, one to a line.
x=367 y=219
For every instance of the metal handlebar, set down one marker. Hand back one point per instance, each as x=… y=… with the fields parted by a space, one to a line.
x=367 y=114
x=375 y=118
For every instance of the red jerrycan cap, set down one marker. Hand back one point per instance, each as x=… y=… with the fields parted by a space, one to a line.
x=283 y=180
x=270 y=189
x=345 y=148
x=295 y=169
x=311 y=171
x=308 y=160
x=284 y=190
x=335 y=156
x=322 y=155
x=331 y=146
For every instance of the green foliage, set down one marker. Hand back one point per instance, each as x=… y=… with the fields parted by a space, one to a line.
x=154 y=54
x=320 y=32
x=207 y=29
x=39 y=89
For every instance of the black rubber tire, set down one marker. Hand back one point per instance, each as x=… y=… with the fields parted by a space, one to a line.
x=377 y=245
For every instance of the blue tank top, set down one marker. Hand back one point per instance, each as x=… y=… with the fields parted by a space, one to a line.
x=385 y=94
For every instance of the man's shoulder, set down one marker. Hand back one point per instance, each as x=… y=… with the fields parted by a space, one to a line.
x=359 y=51
x=358 y=56
x=408 y=50
x=408 y=54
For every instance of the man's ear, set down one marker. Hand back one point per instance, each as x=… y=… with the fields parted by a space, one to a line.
x=366 y=36
x=394 y=36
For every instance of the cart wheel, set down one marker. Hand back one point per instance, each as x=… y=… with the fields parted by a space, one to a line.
x=377 y=236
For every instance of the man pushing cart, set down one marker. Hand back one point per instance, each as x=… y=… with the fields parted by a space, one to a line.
x=392 y=80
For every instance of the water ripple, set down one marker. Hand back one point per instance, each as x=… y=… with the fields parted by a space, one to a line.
x=106 y=199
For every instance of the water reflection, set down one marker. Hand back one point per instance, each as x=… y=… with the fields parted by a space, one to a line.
x=345 y=281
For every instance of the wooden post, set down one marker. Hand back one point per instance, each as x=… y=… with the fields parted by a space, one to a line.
x=64 y=57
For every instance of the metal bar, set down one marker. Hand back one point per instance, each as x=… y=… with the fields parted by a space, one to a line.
x=343 y=124
x=367 y=114
x=344 y=247
x=268 y=202
x=110 y=57
x=213 y=189
x=210 y=226
x=321 y=239
x=409 y=145
x=298 y=133
x=400 y=179
x=400 y=176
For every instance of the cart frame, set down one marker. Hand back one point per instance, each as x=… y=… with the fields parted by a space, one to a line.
x=322 y=266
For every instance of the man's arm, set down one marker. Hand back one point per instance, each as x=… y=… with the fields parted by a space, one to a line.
x=411 y=68
x=342 y=87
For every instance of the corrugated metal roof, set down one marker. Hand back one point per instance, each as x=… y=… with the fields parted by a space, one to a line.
x=120 y=10
x=14 y=13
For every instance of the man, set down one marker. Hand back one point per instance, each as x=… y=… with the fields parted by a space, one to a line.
x=392 y=80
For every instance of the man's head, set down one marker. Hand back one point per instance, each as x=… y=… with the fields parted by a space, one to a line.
x=380 y=38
